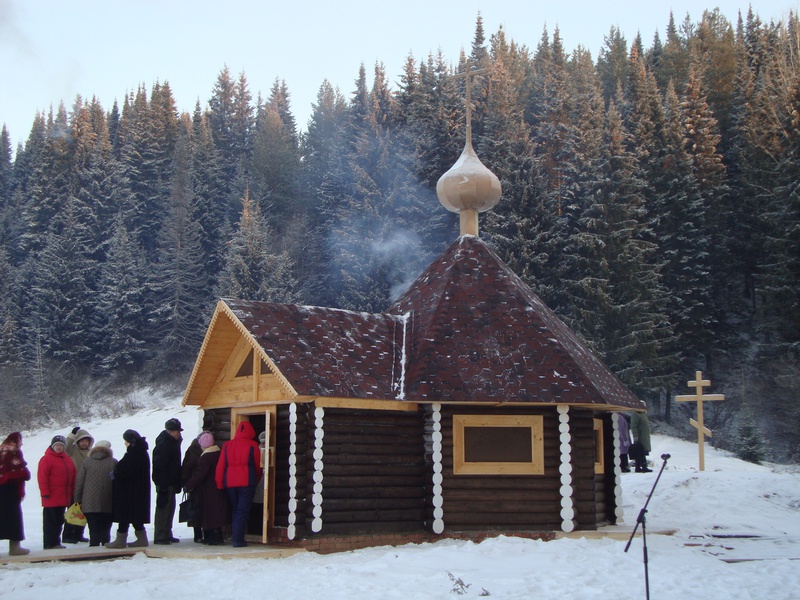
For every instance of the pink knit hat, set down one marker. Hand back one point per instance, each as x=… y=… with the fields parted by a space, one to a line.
x=206 y=440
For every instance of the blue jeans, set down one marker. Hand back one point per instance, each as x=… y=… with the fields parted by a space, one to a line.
x=241 y=498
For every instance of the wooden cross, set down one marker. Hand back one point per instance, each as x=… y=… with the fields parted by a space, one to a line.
x=466 y=75
x=699 y=383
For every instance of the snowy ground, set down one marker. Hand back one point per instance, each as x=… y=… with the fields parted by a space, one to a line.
x=703 y=559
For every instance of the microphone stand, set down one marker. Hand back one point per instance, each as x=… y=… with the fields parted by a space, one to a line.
x=641 y=519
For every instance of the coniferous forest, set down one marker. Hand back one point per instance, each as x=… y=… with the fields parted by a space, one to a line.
x=651 y=197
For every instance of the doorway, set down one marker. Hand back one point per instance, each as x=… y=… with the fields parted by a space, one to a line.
x=261 y=511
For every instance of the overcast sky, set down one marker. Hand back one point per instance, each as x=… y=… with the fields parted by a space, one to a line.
x=52 y=50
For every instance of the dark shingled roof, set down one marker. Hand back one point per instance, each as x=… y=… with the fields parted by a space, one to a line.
x=326 y=351
x=467 y=330
x=478 y=333
x=473 y=332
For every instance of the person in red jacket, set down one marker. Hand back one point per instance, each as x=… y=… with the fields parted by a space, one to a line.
x=56 y=477
x=238 y=472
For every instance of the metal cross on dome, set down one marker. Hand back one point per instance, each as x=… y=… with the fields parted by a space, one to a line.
x=467 y=74
x=699 y=383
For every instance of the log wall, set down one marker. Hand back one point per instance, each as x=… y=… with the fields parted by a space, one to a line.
x=374 y=471
x=218 y=422
x=516 y=502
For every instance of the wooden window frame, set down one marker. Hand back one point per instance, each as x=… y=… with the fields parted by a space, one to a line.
x=534 y=422
x=599 y=448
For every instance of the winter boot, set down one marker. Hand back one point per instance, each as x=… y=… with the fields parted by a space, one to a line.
x=14 y=549
x=214 y=537
x=120 y=541
x=141 y=539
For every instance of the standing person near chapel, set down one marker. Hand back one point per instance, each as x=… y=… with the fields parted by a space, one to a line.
x=14 y=473
x=56 y=476
x=79 y=444
x=94 y=491
x=640 y=428
x=238 y=472
x=130 y=492
x=167 y=478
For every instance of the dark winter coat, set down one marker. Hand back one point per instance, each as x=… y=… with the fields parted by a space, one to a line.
x=94 y=489
x=13 y=475
x=131 y=487
x=213 y=501
x=190 y=460
x=74 y=451
x=640 y=428
x=167 y=461
x=240 y=462
x=56 y=477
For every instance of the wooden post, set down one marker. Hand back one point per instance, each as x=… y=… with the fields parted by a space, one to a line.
x=699 y=383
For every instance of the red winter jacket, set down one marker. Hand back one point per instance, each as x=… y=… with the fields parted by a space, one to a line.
x=240 y=460
x=56 y=476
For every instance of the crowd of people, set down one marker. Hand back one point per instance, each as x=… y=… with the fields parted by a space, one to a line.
x=78 y=473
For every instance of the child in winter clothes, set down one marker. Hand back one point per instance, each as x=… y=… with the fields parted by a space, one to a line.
x=13 y=475
x=94 y=491
x=56 y=477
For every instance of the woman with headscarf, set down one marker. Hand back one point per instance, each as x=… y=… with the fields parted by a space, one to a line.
x=214 y=510
x=13 y=475
x=131 y=491
x=94 y=491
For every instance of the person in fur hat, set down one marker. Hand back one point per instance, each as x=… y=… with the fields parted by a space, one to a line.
x=167 y=477
x=213 y=501
x=131 y=492
x=79 y=443
x=13 y=475
x=94 y=491
x=56 y=476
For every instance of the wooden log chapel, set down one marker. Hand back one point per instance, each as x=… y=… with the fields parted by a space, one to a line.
x=466 y=409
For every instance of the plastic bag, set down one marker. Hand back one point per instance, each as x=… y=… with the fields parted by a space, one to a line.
x=75 y=516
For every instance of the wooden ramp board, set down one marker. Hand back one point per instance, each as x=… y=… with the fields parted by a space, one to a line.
x=613 y=532
x=184 y=549
x=746 y=547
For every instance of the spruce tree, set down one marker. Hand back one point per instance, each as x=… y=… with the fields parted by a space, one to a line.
x=254 y=268
x=122 y=307
x=181 y=302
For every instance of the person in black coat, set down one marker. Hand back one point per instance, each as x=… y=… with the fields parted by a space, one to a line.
x=167 y=477
x=131 y=491
x=213 y=501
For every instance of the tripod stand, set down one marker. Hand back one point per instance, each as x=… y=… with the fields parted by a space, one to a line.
x=642 y=520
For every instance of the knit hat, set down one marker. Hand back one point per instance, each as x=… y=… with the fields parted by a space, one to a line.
x=58 y=439
x=206 y=440
x=102 y=444
x=131 y=436
x=173 y=425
